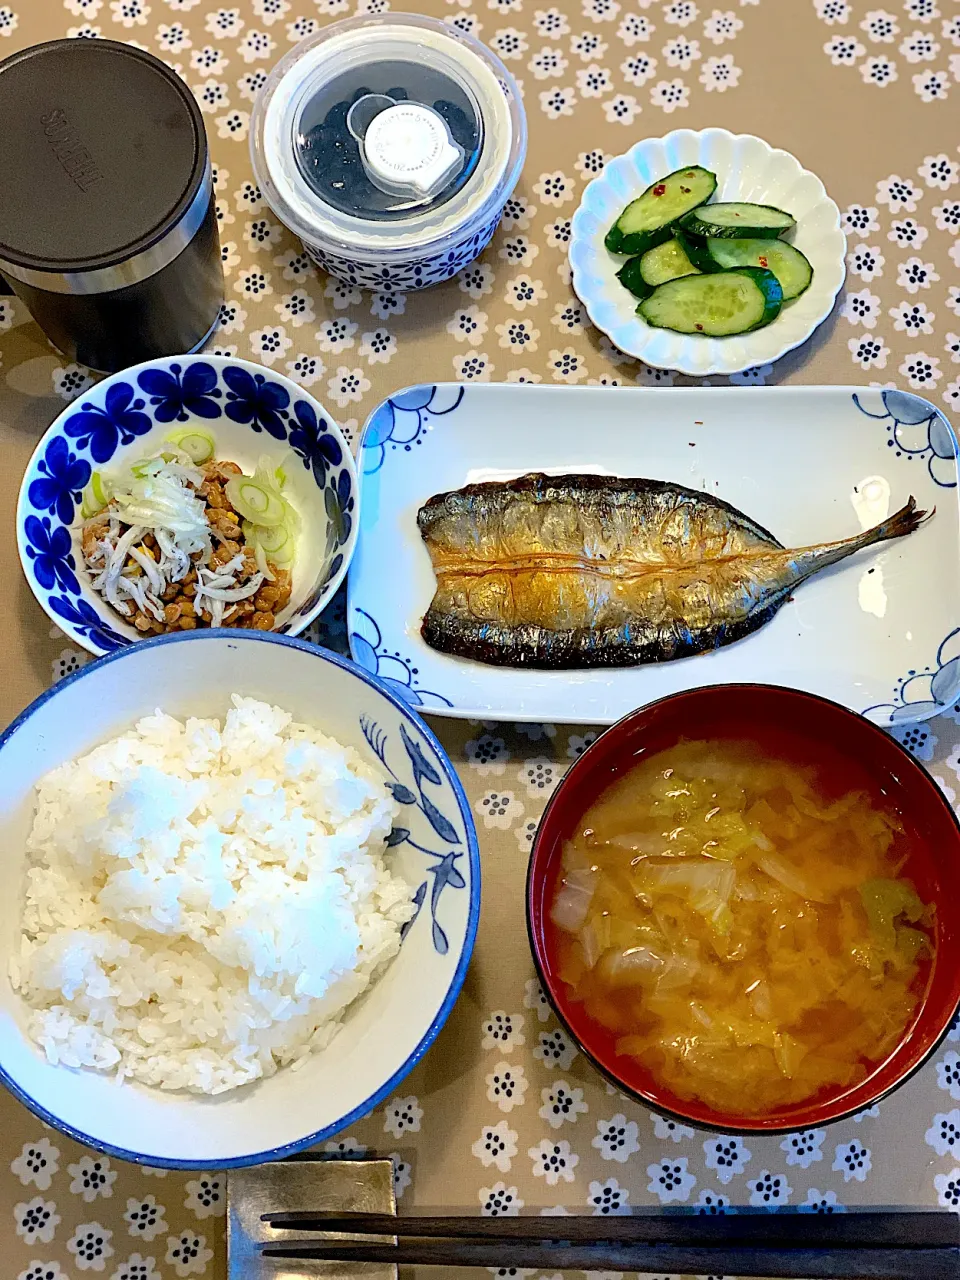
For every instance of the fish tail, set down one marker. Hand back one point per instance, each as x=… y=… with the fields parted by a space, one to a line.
x=902 y=522
x=909 y=518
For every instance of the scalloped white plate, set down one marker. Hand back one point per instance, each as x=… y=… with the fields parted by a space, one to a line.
x=747 y=168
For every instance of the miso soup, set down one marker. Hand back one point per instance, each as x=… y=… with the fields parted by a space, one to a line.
x=742 y=925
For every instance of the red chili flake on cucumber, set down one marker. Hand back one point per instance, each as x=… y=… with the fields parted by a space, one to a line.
x=660 y=189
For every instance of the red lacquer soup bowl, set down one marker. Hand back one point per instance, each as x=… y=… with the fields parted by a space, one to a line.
x=808 y=729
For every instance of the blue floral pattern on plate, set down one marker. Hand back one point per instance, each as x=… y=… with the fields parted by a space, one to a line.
x=317 y=449
x=918 y=430
x=51 y=552
x=257 y=401
x=122 y=412
x=402 y=421
x=396 y=672
x=443 y=869
x=176 y=394
x=76 y=615
x=921 y=694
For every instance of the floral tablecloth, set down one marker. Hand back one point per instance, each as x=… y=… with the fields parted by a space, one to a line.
x=503 y=1113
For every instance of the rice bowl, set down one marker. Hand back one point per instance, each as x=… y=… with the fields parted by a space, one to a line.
x=202 y=905
x=384 y=1032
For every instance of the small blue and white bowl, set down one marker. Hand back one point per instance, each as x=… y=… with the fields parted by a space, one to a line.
x=250 y=411
x=434 y=847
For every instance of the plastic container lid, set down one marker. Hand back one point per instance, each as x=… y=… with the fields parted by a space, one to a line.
x=102 y=152
x=407 y=150
x=387 y=137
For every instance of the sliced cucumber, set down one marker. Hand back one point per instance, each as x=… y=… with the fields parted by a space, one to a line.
x=695 y=247
x=630 y=276
x=715 y=306
x=646 y=221
x=786 y=262
x=741 y=220
x=668 y=261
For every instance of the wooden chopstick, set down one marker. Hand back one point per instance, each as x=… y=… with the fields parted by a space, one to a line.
x=875 y=1230
x=784 y=1264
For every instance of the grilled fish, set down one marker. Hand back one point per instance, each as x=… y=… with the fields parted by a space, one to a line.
x=576 y=571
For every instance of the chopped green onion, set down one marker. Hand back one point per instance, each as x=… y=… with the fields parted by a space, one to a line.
x=271 y=539
x=268 y=475
x=281 y=473
x=197 y=445
x=262 y=565
x=88 y=506
x=276 y=541
x=95 y=497
x=254 y=501
x=284 y=557
x=291 y=517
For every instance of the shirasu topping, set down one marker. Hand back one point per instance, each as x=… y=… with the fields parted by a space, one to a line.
x=159 y=496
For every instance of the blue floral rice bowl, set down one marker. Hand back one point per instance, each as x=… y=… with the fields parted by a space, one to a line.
x=250 y=412
x=432 y=847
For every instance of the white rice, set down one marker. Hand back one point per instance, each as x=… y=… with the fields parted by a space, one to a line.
x=202 y=905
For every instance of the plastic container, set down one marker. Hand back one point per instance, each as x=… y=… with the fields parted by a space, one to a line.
x=389 y=144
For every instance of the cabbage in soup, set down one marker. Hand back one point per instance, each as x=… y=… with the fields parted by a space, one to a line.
x=744 y=934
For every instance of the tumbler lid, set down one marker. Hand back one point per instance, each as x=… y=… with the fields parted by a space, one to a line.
x=103 y=158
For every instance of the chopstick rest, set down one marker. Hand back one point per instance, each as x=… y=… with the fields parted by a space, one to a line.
x=286 y=1185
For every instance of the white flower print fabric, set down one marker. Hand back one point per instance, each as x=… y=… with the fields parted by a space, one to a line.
x=505 y=1077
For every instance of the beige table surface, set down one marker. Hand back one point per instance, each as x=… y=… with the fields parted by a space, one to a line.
x=503 y=1112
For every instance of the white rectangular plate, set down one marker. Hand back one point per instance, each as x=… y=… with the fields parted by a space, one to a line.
x=878 y=633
